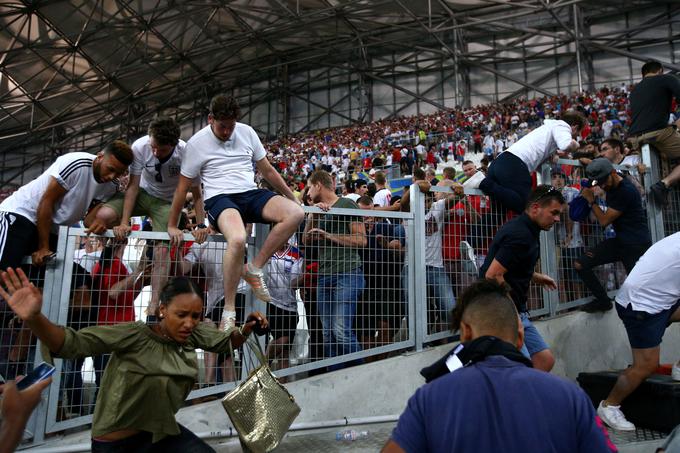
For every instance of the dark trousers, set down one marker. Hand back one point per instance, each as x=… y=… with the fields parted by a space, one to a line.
x=608 y=251
x=508 y=182
x=184 y=442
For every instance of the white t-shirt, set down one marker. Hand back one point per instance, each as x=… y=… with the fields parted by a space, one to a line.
x=282 y=268
x=145 y=164
x=473 y=181
x=382 y=197
x=209 y=256
x=353 y=196
x=542 y=142
x=224 y=167
x=74 y=173
x=653 y=285
x=433 y=234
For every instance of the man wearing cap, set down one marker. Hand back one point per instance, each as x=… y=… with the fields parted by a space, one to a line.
x=626 y=214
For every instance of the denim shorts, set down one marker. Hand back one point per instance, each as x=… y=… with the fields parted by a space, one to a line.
x=533 y=341
x=249 y=204
x=644 y=330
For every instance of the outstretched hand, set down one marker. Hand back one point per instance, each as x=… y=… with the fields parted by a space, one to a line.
x=21 y=295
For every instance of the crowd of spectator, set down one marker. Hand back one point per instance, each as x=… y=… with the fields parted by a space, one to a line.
x=351 y=270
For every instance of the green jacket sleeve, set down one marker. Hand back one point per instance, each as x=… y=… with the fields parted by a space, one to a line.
x=99 y=340
x=211 y=339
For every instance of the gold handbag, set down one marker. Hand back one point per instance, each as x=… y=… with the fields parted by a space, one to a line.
x=260 y=408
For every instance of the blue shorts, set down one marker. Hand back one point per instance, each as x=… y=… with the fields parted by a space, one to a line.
x=644 y=330
x=533 y=341
x=248 y=204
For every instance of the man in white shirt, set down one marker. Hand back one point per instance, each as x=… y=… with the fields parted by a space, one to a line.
x=383 y=195
x=508 y=180
x=647 y=303
x=60 y=196
x=154 y=175
x=224 y=154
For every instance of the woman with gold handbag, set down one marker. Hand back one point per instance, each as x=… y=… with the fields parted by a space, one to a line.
x=152 y=367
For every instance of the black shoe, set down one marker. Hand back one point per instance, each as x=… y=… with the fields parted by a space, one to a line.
x=659 y=193
x=597 y=306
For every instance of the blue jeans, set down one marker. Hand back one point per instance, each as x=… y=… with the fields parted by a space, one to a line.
x=337 y=297
x=533 y=341
x=439 y=292
x=440 y=297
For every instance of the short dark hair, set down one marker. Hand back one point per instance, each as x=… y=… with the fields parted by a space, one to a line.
x=223 y=107
x=544 y=195
x=467 y=162
x=379 y=178
x=614 y=143
x=574 y=119
x=487 y=305
x=419 y=174
x=449 y=172
x=359 y=183
x=165 y=131
x=321 y=177
x=176 y=286
x=365 y=200
x=651 y=67
x=349 y=185
x=121 y=151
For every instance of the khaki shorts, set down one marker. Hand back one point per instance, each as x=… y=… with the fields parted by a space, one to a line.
x=146 y=205
x=666 y=141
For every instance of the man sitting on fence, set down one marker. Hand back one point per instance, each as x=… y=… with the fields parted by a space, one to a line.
x=650 y=105
x=154 y=175
x=224 y=154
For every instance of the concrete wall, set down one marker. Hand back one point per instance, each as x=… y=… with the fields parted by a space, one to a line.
x=581 y=342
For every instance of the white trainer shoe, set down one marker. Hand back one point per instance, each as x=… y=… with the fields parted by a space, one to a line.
x=614 y=418
x=675 y=372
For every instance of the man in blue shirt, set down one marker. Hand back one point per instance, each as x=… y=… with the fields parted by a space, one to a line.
x=626 y=214
x=493 y=400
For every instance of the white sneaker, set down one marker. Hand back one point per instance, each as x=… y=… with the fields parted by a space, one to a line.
x=675 y=372
x=257 y=283
x=614 y=418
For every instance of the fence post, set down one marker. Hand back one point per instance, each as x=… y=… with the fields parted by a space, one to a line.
x=653 y=173
x=551 y=299
x=54 y=275
x=417 y=293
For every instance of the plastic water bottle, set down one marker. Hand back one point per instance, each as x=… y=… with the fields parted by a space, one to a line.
x=350 y=435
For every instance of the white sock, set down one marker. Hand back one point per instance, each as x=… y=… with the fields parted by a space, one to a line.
x=253 y=269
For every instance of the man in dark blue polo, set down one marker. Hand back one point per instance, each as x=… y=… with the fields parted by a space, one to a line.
x=626 y=214
x=512 y=259
x=485 y=397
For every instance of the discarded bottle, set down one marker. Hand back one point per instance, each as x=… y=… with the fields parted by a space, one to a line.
x=350 y=435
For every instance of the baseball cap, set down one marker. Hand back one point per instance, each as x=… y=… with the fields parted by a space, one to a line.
x=598 y=170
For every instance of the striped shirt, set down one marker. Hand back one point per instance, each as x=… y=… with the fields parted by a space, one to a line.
x=75 y=174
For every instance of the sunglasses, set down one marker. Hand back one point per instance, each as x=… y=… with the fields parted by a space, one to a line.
x=551 y=191
x=157 y=168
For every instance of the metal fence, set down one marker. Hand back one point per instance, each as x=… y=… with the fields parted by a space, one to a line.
x=381 y=283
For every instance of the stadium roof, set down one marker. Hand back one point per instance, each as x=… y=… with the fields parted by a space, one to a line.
x=69 y=65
